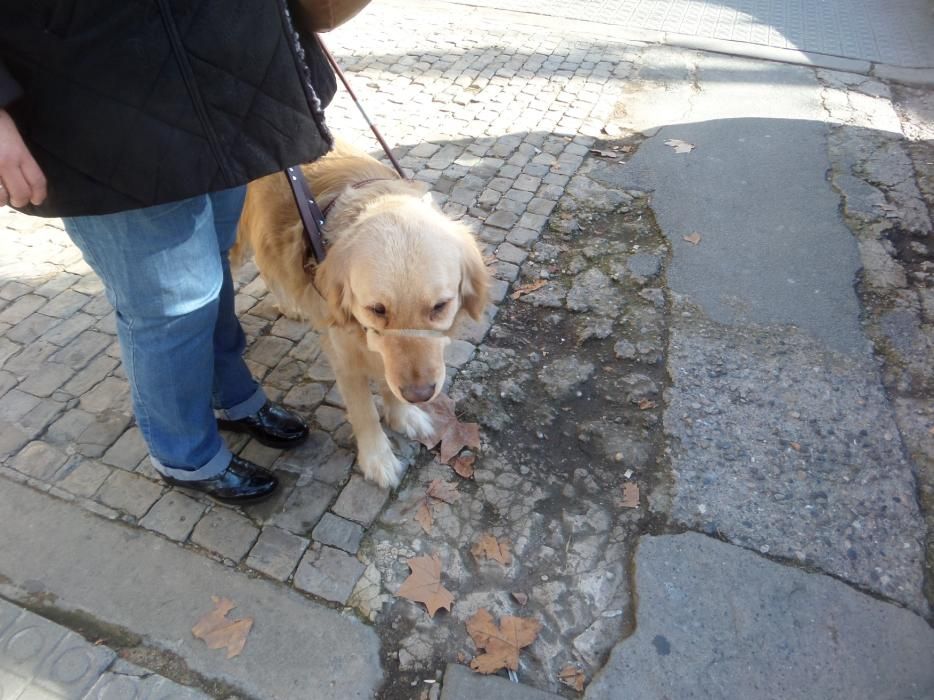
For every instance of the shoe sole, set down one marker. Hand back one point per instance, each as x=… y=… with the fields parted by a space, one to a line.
x=260 y=437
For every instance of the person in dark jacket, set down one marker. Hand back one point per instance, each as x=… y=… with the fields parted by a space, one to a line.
x=140 y=123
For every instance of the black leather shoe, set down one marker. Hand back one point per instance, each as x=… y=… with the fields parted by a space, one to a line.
x=241 y=482
x=272 y=425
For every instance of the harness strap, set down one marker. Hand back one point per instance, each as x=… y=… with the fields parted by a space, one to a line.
x=309 y=211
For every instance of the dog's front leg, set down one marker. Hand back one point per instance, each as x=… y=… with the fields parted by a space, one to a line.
x=374 y=451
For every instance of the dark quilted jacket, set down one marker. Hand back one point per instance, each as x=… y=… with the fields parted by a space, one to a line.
x=130 y=103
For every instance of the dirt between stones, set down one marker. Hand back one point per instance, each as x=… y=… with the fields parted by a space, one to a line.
x=568 y=389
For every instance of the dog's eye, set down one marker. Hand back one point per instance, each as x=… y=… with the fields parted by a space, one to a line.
x=378 y=309
x=439 y=307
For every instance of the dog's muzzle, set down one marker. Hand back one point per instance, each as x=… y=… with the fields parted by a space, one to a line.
x=410 y=332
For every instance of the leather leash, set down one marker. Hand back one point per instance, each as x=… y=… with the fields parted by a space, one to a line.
x=311 y=215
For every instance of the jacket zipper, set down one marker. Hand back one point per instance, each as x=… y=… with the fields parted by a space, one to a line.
x=193 y=93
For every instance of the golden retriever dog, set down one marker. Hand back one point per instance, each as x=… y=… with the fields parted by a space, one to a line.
x=397 y=276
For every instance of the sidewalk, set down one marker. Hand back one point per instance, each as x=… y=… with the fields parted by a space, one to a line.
x=764 y=386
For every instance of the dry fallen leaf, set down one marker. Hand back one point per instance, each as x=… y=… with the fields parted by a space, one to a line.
x=443 y=490
x=520 y=597
x=572 y=676
x=796 y=446
x=424 y=585
x=500 y=643
x=424 y=516
x=630 y=496
x=604 y=154
x=463 y=466
x=646 y=404
x=680 y=146
x=217 y=631
x=488 y=547
x=450 y=432
x=693 y=239
x=438 y=491
x=524 y=289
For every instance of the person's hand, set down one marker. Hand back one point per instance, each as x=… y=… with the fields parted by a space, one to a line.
x=21 y=179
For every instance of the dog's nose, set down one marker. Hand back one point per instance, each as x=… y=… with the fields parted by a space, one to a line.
x=417 y=393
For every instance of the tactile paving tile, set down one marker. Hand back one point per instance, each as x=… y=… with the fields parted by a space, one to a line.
x=897 y=32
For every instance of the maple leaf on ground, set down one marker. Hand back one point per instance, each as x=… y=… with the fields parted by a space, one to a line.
x=630 y=496
x=488 y=547
x=646 y=404
x=500 y=643
x=450 y=432
x=693 y=239
x=424 y=516
x=443 y=490
x=424 y=585
x=524 y=289
x=438 y=491
x=463 y=466
x=572 y=676
x=218 y=631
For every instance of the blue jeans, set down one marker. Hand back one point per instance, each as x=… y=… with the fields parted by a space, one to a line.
x=166 y=273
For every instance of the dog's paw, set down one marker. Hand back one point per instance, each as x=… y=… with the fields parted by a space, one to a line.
x=379 y=463
x=410 y=421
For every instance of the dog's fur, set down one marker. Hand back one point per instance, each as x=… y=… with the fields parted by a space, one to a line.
x=388 y=247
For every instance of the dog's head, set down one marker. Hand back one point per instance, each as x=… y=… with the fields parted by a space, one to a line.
x=401 y=264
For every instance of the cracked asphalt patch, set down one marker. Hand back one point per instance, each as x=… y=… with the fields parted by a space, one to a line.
x=568 y=390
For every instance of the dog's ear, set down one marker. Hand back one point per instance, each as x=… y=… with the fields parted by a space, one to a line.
x=475 y=277
x=331 y=282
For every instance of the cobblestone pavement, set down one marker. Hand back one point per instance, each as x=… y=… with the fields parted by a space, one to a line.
x=512 y=127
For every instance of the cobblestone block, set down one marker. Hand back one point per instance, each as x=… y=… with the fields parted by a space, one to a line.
x=361 y=501
x=45 y=382
x=505 y=271
x=144 y=686
x=57 y=285
x=498 y=290
x=40 y=415
x=243 y=303
x=541 y=206
x=128 y=492
x=500 y=184
x=7 y=349
x=286 y=374
x=102 y=432
x=66 y=429
x=276 y=553
x=69 y=329
x=336 y=468
x=328 y=573
x=26 y=331
x=226 y=532
x=260 y=454
x=334 y=398
x=127 y=451
x=511 y=206
x=79 y=352
x=507 y=252
x=306 y=457
x=489 y=234
x=83 y=477
x=306 y=397
x=20 y=309
x=45 y=661
x=65 y=304
x=502 y=219
x=304 y=507
x=458 y=353
x=290 y=329
x=16 y=404
x=268 y=350
x=522 y=237
x=337 y=532
x=330 y=418
x=39 y=460
x=174 y=516
x=522 y=196
x=7 y=382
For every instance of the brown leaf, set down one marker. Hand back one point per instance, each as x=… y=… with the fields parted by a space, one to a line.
x=693 y=239
x=217 y=631
x=572 y=676
x=604 y=154
x=441 y=411
x=488 y=547
x=796 y=446
x=457 y=437
x=463 y=466
x=424 y=516
x=524 y=289
x=680 y=146
x=443 y=490
x=424 y=585
x=500 y=643
x=630 y=496
x=520 y=597
x=646 y=404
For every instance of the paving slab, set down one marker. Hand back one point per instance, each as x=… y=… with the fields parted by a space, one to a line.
x=143 y=583
x=718 y=621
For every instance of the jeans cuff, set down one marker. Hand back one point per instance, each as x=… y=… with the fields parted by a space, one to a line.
x=214 y=467
x=245 y=408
